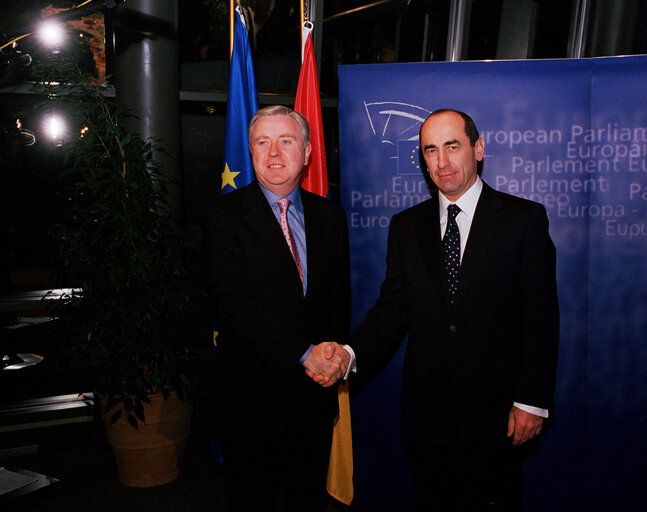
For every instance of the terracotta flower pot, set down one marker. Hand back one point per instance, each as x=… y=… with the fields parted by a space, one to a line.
x=151 y=454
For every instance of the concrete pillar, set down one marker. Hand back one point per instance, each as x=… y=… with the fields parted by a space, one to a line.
x=147 y=76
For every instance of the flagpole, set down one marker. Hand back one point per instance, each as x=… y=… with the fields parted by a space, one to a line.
x=231 y=26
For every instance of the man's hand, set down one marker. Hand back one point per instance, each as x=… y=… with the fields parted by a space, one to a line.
x=523 y=425
x=327 y=363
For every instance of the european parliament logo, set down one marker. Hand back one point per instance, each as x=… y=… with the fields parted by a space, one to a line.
x=397 y=126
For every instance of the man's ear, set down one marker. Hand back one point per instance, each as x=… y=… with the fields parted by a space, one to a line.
x=479 y=149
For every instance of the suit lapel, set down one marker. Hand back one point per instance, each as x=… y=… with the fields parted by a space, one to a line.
x=428 y=236
x=260 y=219
x=485 y=226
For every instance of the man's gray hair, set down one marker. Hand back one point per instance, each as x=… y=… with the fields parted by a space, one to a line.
x=280 y=110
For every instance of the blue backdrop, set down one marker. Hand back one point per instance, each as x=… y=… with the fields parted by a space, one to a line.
x=571 y=134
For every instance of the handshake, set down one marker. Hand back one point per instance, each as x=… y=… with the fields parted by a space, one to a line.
x=327 y=363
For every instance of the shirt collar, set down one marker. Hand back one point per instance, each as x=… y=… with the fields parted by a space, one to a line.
x=467 y=202
x=294 y=197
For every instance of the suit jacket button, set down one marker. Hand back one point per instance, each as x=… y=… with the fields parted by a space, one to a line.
x=452 y=328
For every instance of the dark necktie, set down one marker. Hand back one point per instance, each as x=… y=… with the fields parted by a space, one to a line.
x=452 y=250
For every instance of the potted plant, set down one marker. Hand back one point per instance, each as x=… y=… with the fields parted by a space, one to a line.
x=134 y=321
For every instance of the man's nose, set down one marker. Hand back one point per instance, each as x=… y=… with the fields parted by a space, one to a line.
x=274 y=149
x=442 y=159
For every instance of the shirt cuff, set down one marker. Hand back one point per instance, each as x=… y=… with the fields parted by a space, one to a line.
x=537 y=411
x=306 y=354
x=352 y=366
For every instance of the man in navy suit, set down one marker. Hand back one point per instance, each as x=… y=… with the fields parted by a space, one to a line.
x=479 y=370
x=279 y=278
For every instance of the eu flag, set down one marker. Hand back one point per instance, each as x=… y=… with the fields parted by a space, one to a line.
x=242 y=104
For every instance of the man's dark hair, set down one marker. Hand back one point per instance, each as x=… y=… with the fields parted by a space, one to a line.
x=470 y=127
x=472 y=134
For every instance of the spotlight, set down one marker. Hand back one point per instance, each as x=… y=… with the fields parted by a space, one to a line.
x=54 y=128
x=51 y=34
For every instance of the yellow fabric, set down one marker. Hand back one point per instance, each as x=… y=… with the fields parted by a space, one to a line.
x=339 y=483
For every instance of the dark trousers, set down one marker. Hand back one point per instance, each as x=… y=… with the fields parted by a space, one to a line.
x=458 y=479
x=281 y=475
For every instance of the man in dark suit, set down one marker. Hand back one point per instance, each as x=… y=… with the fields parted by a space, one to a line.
x=279 y=277
x=483 y=326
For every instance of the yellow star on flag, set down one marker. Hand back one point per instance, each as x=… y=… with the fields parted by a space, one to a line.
x=228 y=177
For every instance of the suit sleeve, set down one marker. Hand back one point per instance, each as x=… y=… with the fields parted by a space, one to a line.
x=386 y=323
x=540 y=312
